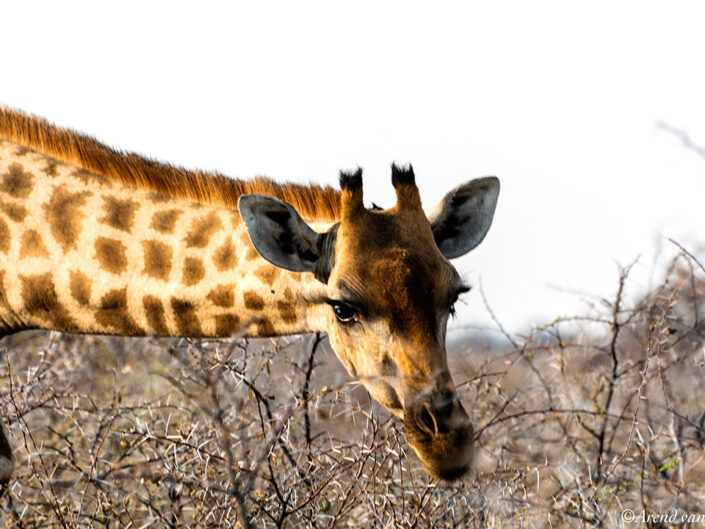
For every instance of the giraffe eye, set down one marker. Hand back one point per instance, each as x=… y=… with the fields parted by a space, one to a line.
x=344 y=313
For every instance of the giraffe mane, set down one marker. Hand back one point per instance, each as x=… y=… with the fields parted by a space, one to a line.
x=311 y=201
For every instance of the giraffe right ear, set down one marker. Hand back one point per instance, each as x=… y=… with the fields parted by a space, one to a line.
x=461 y=220
x=283 y=238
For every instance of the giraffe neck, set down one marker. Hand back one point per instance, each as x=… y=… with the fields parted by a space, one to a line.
x=82 y=253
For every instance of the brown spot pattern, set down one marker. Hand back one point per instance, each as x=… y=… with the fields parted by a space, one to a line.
x=159 y=197
x=225 y=257
x=65 y=216
x=157 y=259
x=119 y=213
x=165 y=221
x=80 y=287
x=32 y=245
x=186 y=319
x=287 y=311
x=16 y=212
x=40 y=300
x=17 y=182
x=4 y=237
x=88 y=177
x=253 y=301
x=22 y=150
x=267 y=274
x=156 y=316
x=114 y=314
x=202 y=229
x=252 y=254
x=226 y=324
x=223 y=295
x=111 y=254
x=265 y=328
x=194 y=271
x=50 y=169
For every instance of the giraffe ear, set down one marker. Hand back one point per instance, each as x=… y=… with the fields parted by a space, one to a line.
x=461 y=220
x=280 y=235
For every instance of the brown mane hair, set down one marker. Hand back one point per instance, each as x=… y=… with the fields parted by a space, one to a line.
x=311 y=201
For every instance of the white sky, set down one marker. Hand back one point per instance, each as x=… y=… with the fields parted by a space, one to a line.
x=559 y=100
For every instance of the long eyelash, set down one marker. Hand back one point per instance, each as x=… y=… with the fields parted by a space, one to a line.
x=464 y=288
x=461 y=290
x=331 y=302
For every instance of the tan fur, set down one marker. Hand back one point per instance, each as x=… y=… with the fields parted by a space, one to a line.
x=94 y=255
x=311 y=201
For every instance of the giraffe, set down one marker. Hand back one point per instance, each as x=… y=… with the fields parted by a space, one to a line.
x=93 y=240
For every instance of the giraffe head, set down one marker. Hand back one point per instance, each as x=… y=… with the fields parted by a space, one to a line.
x=387 y=291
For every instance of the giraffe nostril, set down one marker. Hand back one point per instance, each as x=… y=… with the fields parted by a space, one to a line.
x=440 y=415
x=427 y=421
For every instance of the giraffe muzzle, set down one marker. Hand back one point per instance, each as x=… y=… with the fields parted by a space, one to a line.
x=440 y=432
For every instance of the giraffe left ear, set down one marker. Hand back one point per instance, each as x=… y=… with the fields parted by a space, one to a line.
x=282 y=237
x=461 y=220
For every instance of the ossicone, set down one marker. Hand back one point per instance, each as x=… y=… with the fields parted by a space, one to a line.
x=351 y=196
x=404 y=184
x=403 y=175
x=351 y=180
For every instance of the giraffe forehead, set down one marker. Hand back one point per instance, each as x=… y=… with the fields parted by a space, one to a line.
x=410 y=277
x=397 y=280
x=390 y=246
x=387 y=236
